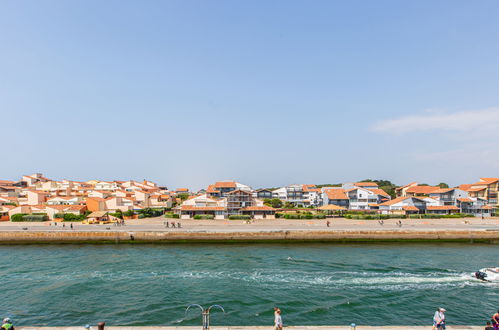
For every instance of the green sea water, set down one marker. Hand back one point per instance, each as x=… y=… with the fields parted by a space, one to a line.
x=313 y=284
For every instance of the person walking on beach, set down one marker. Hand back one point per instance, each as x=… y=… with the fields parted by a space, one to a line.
x=489 y=326
x=439 y=319
x=277 y=319
x=7 y=324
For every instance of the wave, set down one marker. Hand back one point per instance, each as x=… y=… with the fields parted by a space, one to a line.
x=264 y=277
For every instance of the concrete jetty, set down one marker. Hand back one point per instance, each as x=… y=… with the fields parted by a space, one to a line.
x=134 y=236
x=337 y=230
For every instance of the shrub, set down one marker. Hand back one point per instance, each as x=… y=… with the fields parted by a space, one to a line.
x=129 y=213
x=172 y=215
x=183 y=196
x=239 y=217
x=59 y=216
x=150 y=213
x=204 y=217
x=35 y=218
x=301 y=215
x=117 y=214
x=73 y=217
x=17 y=217
x=374 y=216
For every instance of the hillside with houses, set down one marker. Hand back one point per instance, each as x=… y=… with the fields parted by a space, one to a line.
x=67 y=200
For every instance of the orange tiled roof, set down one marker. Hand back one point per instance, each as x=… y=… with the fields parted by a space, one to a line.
x=465 y=187
x=410 y=208
x=201 y=208
x=476 y=189
x=225 y=184
x=486 y=181
x=379 y=191
x=6 y=182
x=366 y=184
x=96 y=198
x=394 y=201
x=442 y=207
x=405 y=186
x=309 y=187
x=422 y=189
x=336 y=194
x=465 y=200
x=442 y=190
x=39 y=206
x=258 y=208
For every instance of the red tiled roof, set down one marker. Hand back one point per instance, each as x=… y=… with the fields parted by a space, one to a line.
x=410 y=208
x=465 y=200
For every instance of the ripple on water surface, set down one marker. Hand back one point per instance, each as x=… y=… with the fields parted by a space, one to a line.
x=312 y=283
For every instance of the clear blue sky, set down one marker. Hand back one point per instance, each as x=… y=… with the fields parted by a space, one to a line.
x=265 y=92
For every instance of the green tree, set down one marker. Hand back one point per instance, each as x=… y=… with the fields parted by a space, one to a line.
x=273 y=202
x=183 y=196
x=443 y=185
x=386 y=185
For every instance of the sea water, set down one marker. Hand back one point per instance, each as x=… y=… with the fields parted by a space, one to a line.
x=313 y=284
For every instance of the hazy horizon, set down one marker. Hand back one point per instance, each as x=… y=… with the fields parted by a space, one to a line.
x=268 y=93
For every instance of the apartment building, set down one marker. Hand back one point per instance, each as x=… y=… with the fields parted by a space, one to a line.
x=222 y=188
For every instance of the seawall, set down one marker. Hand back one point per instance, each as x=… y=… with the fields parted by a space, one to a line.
x=130 y=236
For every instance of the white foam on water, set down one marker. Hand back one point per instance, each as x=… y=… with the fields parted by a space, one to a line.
x=385 y=280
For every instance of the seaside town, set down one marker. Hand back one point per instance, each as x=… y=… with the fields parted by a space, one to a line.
x=37 y=198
